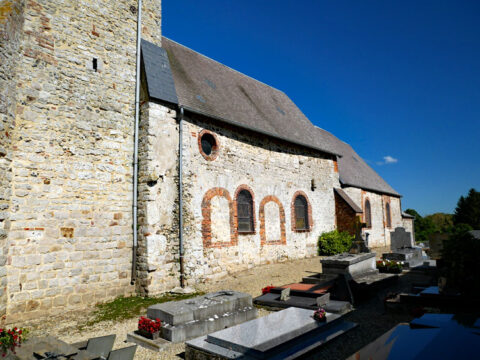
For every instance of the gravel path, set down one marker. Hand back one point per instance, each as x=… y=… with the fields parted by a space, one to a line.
x=369 y=315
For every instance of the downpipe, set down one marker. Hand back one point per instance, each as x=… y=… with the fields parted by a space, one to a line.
x=180 y=195
x=135 y=146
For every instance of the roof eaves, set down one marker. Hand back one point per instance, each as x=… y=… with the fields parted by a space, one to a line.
x=372 y=190
x=263 y=132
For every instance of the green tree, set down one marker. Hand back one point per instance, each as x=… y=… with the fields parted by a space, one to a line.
x=468 y=210
x=443 y=222
x=423 y=226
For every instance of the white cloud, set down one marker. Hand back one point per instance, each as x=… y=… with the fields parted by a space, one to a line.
x=387 y=160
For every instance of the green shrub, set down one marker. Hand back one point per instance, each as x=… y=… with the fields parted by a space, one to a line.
x=334 y=242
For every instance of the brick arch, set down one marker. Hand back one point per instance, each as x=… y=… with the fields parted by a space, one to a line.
x=261 y=215
x=309 y=212
x=207 y=218
x=235 y=214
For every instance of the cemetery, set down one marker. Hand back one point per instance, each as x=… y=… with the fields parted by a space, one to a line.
x=325 y=314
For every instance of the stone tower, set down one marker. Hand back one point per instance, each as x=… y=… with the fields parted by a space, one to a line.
x=67 y=101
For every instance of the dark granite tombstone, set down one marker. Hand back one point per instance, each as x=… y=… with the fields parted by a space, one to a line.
x=403 y=249
x=400 y=239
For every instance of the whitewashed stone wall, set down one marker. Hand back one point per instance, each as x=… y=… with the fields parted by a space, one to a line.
x=70 y=236
x=158 y=252
x=408 y=225
x=247 y=159
x=268 y=169
x=379 y=234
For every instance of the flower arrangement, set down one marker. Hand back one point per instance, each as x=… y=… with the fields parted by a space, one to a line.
x=320 y=314
x=149 y=328
x=390 y=266
x=267 y=289
x=11 y=338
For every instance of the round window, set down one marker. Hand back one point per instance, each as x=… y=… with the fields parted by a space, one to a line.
x=208 y=145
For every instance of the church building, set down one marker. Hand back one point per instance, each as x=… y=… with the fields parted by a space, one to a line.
x=231 y=174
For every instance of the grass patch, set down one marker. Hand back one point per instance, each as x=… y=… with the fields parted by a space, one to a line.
x=123 y=308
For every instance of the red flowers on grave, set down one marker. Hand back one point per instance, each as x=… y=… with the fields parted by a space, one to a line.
x=267 y=289
x=149 y=325
x=10 y=339
x=320 y=314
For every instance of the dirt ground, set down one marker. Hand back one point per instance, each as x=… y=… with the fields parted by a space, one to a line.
x=371 y=315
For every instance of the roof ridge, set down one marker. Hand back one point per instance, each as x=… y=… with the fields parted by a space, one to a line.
x=228 y=67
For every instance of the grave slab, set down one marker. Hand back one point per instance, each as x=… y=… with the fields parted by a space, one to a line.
x=187 y=319
x=283 y=335
x=349 y=264
x=273 y=300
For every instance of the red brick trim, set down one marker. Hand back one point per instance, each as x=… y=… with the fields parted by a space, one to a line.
x=261 y=215
x=309 y=211
x=386 y=200
x=364 y=216
x=235 y=216
x=335 y=166
x=207 y=219
x=216 y=148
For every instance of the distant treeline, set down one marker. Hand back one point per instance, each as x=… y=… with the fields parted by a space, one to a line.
x=467 y=215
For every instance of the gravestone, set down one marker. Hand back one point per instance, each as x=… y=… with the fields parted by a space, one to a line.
x=285 y=294
x=323 y=300
x=284 y=334
x=403 y=249
x=400 y=239
x=187 y=319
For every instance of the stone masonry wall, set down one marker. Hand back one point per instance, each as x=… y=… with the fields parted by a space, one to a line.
x=273 y=172
x=379 y=234
x=71 y=206
x=11 y=26
x=158 y=252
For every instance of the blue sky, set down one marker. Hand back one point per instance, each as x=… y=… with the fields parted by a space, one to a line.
x=397 y=79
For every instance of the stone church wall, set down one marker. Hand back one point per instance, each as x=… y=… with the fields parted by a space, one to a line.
x=273 y=172
x=158 y=252
x=379 y=234
x=11 y=26
x=243 y=161
x=71 y=205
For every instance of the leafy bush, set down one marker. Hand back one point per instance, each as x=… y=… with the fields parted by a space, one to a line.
x=460 y=261
x=334 y=242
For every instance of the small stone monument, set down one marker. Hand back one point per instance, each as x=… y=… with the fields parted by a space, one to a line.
x=285 y=294
x=358 y=244
x=401 y=245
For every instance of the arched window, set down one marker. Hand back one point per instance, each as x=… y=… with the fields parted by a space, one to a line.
x=301 y=213
x=245 y=211
x=388 y=215
x=368 y=214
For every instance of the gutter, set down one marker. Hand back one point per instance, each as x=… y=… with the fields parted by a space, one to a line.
x=135 y=146
x=180 y=195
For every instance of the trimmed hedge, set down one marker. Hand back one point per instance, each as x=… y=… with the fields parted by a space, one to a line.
x=334 y=242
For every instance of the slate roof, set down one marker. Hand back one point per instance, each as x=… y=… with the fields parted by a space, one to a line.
x=407 y=216
x=353 y=170
x=202 y=85
x=348 y=200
